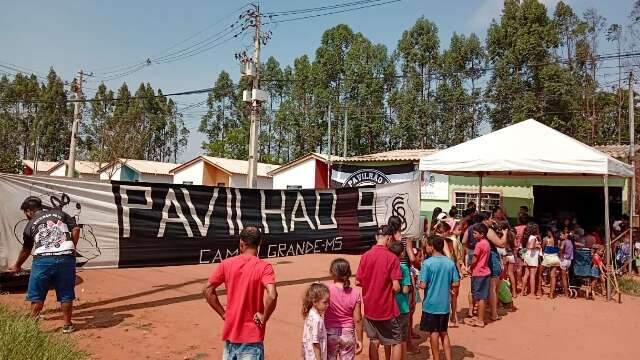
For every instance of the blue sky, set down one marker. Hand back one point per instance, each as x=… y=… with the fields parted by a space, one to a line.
x=74 y=34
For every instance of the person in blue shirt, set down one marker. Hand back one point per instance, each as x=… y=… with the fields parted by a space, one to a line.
x=439 y=277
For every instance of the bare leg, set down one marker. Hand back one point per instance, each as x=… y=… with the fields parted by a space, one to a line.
x=446 y=345
x=403 y=350
x=434 y=339
x=532 y=279
x=493 y=298
x=454 y=309
x=525 y=282
x=373 y=350
x=396 y=352
x=36 y=308
x=512 y=280
x=67 y=309
x=539 y=291
x=565 y=283
x=482 y=307
x=387 y=352
x=552 y=286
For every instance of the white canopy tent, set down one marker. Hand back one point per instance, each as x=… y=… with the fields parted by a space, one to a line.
x=528 y=148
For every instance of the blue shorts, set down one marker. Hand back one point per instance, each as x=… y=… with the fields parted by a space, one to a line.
x=58 y=272
x=595 y=271
x=239 y=351
x=495 y=264
x=480 y=287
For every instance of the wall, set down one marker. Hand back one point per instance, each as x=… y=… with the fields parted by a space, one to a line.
x=212 y=176
x=322 y=175
x=240 y=181
x=515 y=191
x=303 y=174
x=191 y=173
x=121 y=173
x=60 y=171
x=153 y=178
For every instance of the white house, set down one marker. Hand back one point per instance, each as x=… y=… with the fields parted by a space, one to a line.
x=306 y=172
x=84 y=169
x=213 y=171
x=138 y=170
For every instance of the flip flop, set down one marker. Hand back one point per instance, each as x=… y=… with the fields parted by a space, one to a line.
x=453 y=324
x=473 y=323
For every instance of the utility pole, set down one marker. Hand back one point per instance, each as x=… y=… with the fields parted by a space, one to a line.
x=346 y=127
x=77 y=88
x=255 y=100
x=329 y=147
x=632 y=160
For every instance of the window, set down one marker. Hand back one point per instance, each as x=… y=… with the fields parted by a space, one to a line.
x=220 y=185
x=489 y=200
x=187 y=182
x=294 y=187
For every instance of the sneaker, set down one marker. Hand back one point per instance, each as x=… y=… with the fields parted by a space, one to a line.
x=68 y=329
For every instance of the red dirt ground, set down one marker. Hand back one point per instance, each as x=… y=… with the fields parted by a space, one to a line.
x=159 y=313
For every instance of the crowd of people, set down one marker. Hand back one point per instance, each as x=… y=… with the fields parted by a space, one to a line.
x=502 y=261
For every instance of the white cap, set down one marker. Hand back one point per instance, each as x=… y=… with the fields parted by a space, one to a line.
x=442 y=216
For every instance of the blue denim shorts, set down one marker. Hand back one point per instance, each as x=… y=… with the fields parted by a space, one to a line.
x=495 y=264
x=236 y=351
x=56 y=271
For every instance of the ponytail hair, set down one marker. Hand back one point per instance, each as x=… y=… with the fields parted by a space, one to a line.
x=341 y=271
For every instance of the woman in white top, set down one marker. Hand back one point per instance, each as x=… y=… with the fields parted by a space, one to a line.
x=531 y=257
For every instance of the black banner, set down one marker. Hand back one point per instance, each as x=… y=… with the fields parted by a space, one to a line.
x=171 y=224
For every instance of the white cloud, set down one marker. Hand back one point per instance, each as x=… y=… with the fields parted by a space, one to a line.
x=491 y=9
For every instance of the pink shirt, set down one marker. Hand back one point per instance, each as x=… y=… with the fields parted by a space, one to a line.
x=481 y=252
x=342 y=302
x=245 y=278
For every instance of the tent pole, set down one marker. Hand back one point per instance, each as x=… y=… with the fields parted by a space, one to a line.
x=479 y=191
x=607 y=232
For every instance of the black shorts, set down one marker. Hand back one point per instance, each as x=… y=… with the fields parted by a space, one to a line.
x=434 y=322
x=480 y=287
x=403 y=320
x=387 y=332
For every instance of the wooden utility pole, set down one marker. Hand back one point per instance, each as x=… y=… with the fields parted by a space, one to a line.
x=255 y=105
x=329 y=147
x=346 y=128
x=77 y=89
x=632 y=160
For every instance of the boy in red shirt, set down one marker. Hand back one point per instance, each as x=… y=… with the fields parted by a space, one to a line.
x=379 y=276
x=246 y=277
x=480 y=273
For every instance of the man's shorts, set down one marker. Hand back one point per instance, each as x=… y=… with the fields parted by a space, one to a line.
x=434 y=322
x=565 y=264
x=403 y=320
x=58 y=271
x=387 y=332
x=595 y=271
x=234 y=351
x=480 y=287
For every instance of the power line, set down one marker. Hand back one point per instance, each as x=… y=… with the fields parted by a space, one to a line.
x=331 y=12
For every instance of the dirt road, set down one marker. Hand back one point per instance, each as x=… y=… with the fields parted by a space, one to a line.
x=159 y=313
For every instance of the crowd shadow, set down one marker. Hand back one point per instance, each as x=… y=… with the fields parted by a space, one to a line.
x=91 y=315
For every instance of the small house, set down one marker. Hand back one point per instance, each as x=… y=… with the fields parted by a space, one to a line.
x=83 y=169
x=310 y=171
x=37 y=167
x=138 y=170
x=215 y=171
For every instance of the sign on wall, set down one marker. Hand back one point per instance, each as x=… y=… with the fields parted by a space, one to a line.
x=346 y=175
x=434 y=186
x=131 y=224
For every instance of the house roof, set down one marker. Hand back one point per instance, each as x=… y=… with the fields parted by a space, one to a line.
x=82 y=167
x=43 y=166
x=230 y=166
x=393 y=155
x=312 y=155
x=144 y=166
x=616 y=151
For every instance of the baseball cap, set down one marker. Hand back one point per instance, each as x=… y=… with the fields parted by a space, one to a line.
x=442 y=216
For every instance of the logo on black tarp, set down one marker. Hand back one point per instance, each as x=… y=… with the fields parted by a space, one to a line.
x=366 y=177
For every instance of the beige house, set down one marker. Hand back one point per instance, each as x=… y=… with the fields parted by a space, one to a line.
x=214 y=171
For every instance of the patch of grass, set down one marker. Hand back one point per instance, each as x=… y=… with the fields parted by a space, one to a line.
x=629 y=285
x=20 y=338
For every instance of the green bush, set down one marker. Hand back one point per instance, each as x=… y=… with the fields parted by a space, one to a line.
x=20 y=338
